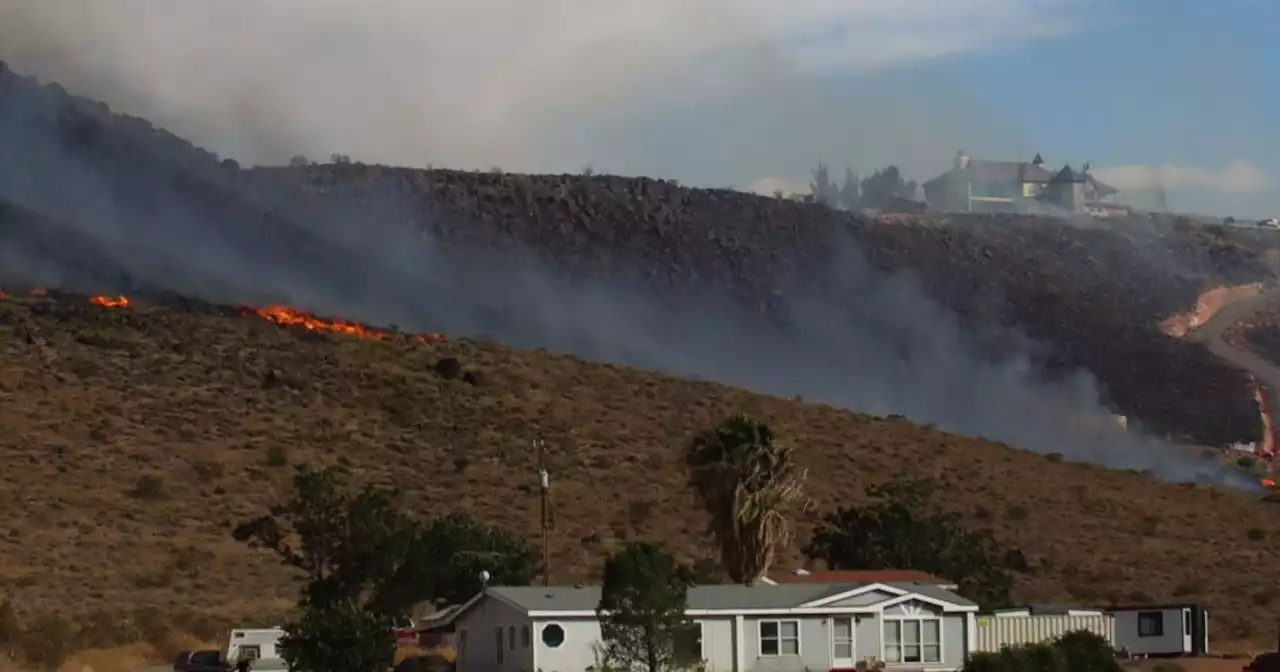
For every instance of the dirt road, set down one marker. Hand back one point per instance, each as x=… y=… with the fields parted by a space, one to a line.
x=1211 y=335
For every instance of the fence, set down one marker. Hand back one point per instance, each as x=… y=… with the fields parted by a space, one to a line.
x=997 y=631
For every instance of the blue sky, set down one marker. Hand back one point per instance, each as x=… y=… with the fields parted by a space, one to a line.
x=745 y=93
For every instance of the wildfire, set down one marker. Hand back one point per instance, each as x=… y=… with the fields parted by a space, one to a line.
x=284 y=315
x=110 y=301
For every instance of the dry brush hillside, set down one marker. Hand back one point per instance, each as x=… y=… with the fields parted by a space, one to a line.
x=131 y=439
x=144 y=211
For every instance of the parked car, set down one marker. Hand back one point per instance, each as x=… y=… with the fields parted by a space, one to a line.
x=201 y=661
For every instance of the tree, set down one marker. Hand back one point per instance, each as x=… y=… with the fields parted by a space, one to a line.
x=340 y=636
x=884 y=186
x=902 y=527
x=298 y=161
x=850 y=196
x=748 y=483
x=450 y=553
x=1087 y=651
x=363 y=548
x=824 y=191
x=642 y=611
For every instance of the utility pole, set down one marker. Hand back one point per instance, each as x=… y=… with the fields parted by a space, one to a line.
x=544 y=485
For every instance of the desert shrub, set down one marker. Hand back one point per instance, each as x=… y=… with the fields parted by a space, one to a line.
x=149 y=488
x=1255 y=534
x=48 y=642
x=277 y=456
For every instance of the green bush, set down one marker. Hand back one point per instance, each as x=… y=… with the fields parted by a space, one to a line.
x=1078 y=651
x=1088 y=652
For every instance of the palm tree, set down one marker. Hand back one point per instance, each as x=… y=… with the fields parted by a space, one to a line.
x=748 y=484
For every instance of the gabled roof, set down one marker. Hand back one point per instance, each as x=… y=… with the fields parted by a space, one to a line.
x=859 y=576
x=1010 y=172
x=799 y=598
x=1067 y=175
x=1099 y=186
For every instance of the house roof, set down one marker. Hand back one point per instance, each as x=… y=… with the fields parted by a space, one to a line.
x=713 y=597
x=1045 y=609
x=858 y=576
x=1068 y=175
x=982 y=170
x=1099 y=186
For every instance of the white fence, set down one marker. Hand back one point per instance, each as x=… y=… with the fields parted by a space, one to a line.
x=997 y=631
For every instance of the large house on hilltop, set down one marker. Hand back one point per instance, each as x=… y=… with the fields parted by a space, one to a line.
x=979 y=185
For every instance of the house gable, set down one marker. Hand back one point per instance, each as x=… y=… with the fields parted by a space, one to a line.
x=867 y=599
x=913 y=608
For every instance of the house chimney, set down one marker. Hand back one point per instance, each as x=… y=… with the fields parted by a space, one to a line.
x=961 y=161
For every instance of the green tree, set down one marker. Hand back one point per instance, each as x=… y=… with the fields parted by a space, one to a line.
x=642 y=611
x=748 y=483
x=903 y=527
x=850 y=194
x=339 y=636
x=446 y=560
x=884 y=186
x=822 y=189
x=363 y=547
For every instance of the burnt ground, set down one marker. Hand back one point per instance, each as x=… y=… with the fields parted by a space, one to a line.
x=135 y=438
x=452 y=251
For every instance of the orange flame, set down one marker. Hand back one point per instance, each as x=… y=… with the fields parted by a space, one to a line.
x=287 y=316
x=110 y=301
x=1267 y=483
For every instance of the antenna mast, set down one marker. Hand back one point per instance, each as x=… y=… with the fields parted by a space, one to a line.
x=544 y=485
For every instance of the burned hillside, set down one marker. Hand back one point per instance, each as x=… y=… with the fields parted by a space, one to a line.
x=783 y=297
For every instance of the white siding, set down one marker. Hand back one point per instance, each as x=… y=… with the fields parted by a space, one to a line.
x=480 y=654
x=1008 y=630
x=582 y=639
x=1171 y=641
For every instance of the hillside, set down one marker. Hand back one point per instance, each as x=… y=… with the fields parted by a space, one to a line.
x=135 y=437
x=769 y=294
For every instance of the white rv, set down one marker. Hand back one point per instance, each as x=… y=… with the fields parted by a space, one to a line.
x=258 y=645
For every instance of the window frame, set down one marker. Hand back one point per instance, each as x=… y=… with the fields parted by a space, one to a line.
x=901 y=645
x=526 y=638
x=1146 y=617
x=760 y=638
x=542 y=634
x=501 y=655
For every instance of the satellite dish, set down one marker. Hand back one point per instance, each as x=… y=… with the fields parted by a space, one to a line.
x=484 y=577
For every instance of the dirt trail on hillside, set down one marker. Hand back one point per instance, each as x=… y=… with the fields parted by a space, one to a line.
x=1211 y=333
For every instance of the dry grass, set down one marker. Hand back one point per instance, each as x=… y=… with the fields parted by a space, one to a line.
x=132 y=440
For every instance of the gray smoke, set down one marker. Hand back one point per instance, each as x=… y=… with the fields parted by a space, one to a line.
x=867 y=341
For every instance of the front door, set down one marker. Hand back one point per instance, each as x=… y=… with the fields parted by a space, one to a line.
x=842 y=646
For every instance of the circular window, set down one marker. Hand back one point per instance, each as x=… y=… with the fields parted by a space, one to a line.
x=553 y=636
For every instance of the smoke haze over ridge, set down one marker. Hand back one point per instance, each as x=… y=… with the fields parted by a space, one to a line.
x=817 y=354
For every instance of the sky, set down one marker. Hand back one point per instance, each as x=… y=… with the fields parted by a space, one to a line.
x=750 y=94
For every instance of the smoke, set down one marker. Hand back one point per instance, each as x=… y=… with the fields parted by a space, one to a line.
x=540 y=87
x=856 y=339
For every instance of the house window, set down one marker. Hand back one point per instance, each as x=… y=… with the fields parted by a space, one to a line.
x=502 y=650
x=524 y=636
x=462 y=643
x=779 y=638
x=1150 y=624
x=552 y=635
x=1186 y=622
x=691 y=644
x=511 y=637
x=913 y=640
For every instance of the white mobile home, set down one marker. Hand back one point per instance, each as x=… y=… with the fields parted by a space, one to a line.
x=761 y=628
x=1162 y=630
